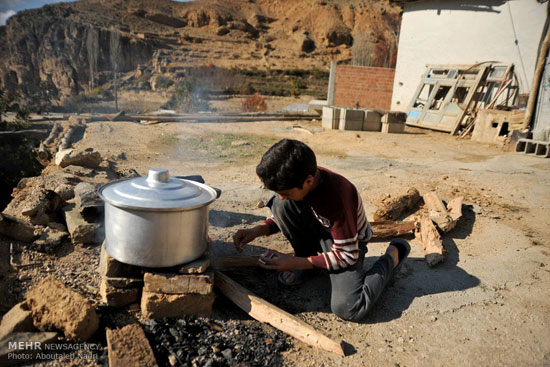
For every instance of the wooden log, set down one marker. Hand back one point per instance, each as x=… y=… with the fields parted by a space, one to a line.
x=437 y=210
x=65 y=142
x=43 y=152
x=389 y=228
x=455 y=212
x=392 y=207
x=533 y=94
x=431 y=241
x=264 y=311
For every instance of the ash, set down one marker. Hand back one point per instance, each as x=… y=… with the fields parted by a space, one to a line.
x=198 y=341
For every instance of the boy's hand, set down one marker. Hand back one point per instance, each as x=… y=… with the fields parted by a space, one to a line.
x=243 y=236
x=283 y=262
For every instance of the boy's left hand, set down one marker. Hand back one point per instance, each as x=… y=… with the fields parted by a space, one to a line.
x=283 y=262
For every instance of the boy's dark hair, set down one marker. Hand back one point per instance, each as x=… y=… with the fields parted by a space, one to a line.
x=286 y=165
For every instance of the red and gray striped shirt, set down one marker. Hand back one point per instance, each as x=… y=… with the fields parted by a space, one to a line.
x=337 y=205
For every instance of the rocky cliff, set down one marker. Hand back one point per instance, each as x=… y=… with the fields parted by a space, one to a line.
x=77 y=45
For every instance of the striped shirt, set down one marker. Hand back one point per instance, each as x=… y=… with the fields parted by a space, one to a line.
x=337 y=205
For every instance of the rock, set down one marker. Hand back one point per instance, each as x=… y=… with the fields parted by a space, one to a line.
x=88 y=201
x=27 y=346
x=178 y=284
x=16 y=229
x=66 y=192
x=54 y=306
x=50 y=237
x=17 y=319
x=196 y=267
x=78 y=157
x=129 y=346
x=222 y=31
x=80 y=229
x=123 y=283
x=36 y=204
x=117 y=297
x=159 y=305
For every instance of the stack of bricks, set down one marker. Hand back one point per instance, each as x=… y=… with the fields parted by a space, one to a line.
x=120 y=283
x=184 y=290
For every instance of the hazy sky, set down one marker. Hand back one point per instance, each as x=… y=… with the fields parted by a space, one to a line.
x=10 y=7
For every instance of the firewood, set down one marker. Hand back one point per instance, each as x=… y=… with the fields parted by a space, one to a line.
x=393 y=207
x=445 y=217
x=431 y=241
x=264 y=311
x=455 y=212
x=389 y=228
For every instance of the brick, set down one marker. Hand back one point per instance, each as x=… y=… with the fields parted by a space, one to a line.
x=123 y=283
x=110 y=267
x=160 y=305
x=128 y=346
x=178 y=284
x=196 y=267
x=54 y=306
x=117 y=297
x=18 y=319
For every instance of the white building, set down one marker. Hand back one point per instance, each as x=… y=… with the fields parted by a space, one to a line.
x=466 y=32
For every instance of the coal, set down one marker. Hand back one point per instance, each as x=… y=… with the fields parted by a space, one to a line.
x=199 y=341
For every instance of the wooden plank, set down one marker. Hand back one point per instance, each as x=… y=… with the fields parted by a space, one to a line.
x=468 y=100
x=264 y=311
x=431 y=241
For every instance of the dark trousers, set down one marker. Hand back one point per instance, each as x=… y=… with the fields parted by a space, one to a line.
x=354 y=289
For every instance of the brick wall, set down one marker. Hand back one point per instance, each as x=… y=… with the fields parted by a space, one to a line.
x=371 y=87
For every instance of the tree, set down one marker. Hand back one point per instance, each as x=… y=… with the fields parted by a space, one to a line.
x=92 y=45
x=115 y=57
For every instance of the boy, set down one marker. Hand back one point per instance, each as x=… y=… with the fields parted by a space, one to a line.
x=322 y=216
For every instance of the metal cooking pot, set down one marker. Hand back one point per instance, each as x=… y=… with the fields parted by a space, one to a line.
x=156 y=221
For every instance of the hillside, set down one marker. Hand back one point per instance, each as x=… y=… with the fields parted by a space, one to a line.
x=75 y=46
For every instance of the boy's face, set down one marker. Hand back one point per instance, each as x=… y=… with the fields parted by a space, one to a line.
x=297 y=193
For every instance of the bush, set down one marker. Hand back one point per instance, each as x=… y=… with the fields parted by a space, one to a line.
x=187 y=98
x=254 y=103
x=163 y=82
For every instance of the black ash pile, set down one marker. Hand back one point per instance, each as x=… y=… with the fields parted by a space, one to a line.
x=198 y=341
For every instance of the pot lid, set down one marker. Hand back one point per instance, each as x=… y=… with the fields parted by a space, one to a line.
x=157 y=191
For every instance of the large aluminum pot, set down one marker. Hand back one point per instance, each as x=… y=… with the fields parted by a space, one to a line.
x=156 y=221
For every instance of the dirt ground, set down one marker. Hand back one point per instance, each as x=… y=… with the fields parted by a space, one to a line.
x=488 y=304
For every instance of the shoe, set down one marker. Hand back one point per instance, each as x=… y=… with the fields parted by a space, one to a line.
x=298 y=277
x=403 y=249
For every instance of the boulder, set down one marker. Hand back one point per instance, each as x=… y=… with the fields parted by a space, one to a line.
x=80 y=229
x=88 y=201
x=56 y=307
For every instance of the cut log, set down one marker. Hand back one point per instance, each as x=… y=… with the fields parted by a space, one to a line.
x=391 y=208
x=445 y=218
x=437 y=210
x=455 y=212
x=391 y=228
x=264 y=311
x=43 y=153
x=431 y=241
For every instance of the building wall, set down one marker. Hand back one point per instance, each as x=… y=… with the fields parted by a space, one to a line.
x=466 y=32
x=368 y=86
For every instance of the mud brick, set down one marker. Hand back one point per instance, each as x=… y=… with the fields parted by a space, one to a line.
x=179 y=284
x=123 y=283
x=109 y=267
x=160 y=305
x=54 y=306
x=196 y=267
x=129 y=346
x=117 y=297
x=18 y=319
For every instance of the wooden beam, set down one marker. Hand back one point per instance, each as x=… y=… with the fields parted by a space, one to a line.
x=264 y=311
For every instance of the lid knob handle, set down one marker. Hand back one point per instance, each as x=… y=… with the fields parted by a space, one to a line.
x=158 y=175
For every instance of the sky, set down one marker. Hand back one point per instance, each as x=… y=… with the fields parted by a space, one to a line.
x=10 y=7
